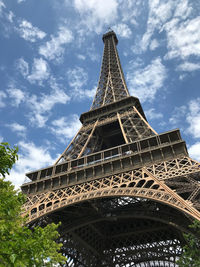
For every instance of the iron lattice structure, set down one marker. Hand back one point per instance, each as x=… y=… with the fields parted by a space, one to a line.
x=123 y=192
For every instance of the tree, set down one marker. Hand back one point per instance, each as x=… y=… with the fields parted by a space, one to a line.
x=19 y=245
x=8 y=156
x=191 y=251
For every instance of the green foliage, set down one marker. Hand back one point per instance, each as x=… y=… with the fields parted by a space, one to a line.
x=20 y=246
x=191 y=251
x=8 y=157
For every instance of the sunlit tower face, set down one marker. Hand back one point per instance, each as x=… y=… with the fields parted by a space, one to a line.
x=123 y=192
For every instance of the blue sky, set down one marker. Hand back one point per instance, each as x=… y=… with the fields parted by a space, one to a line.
x=50 y=60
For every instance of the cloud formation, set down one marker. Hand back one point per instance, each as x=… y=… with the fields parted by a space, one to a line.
x=122 y=30
x=22 y=66
x=191 y=114
x=55 y=48
x=2 y=6
x=2 y=97
x=96 y=14
x=31 y=158
x=194 y=151
x=65 y=128
x=193 y=118
x=17 y=128
x=183 y=39
x=154 y=44
x=174 y=19
x=77 y=79
x=152 y=114
x=145 y=82
x=188 y=66
x=17 y=95
x=41 y=106
x=40 y=71
x=29 y=32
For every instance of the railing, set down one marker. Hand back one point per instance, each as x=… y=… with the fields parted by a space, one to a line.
x=140 y=146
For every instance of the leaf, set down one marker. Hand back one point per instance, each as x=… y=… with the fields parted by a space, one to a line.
x=13 y=258
x=22 y=246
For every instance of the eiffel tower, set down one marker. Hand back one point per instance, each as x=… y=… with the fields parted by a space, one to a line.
x=123 y=192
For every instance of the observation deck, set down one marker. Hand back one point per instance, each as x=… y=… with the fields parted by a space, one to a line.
x=118 y=159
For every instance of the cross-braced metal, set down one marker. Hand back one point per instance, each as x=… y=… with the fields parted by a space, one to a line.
x=112 y=86
x=123 y=192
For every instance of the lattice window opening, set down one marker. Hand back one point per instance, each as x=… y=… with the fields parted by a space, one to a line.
x=149 y=255
x=119 y=258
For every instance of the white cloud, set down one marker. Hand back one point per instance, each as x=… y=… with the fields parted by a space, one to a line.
x=2 y=6
x=10 y=16
x=96 y=14
x=30 y=158
x=2 y=96
x=154 y=44
x=183 y=39
x=89 y=93
x=182 y=76
x=91 y=52
x=40 y=71
x=17 y=128
x=122 y=30
x=77 y=77
x=152 y=114
x=189 y=113
x=178 y=114
x=20 y=1
x=38 y=119
x=66 y=127
x=22 y=66
x=160 y=11
x=54 y=49
x=144 y=83
x=41 y=106
x=159 y=14
x=29 y=32
x=17 y=95
x=183 y=9
x=173 y=17
x=137 y=47
x=82 y=57
x=130 y=10
x=137 y=62
x=188 y=66
x=194 y=151
x=193 y=118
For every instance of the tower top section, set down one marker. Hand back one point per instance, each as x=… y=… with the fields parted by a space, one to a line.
x=109 y=35
x=112 y=86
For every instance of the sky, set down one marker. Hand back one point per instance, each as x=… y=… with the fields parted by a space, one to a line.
x=50 y=59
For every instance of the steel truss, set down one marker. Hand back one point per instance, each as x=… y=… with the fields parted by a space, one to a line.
x=132 y=125
x=156 y=182
x=123 y=193
x=141 y=230
x=112 y=85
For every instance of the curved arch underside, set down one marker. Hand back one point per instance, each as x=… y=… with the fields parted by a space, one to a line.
x=134 y=218
x=123 y=231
